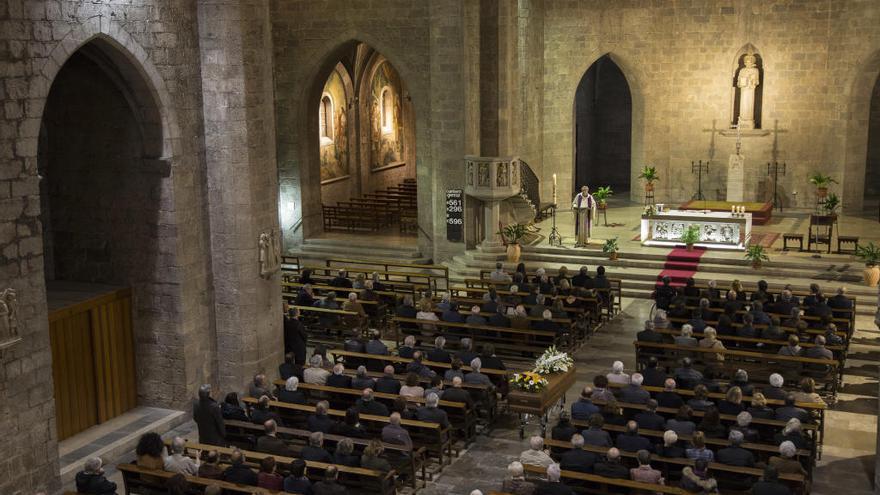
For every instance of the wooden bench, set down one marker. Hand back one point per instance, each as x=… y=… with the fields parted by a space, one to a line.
x=847 y=240
x=369 y=480
x=791 y=236
x=462 y=419
x=136 y=478
x=432 y=436
x=534 y=472
x=527 y=340
x=242 y=433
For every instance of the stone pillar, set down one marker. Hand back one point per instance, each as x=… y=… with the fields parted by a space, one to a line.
x=234 y=38
x=491 y=214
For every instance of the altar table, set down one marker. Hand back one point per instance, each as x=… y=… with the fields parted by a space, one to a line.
x=718 y=230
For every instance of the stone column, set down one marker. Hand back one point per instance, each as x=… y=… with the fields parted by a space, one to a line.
x=491 y=214
x=234 y=39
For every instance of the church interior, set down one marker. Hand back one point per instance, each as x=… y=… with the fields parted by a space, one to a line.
x=424 y=247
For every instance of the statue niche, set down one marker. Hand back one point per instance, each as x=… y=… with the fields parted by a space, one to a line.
x=747 y=90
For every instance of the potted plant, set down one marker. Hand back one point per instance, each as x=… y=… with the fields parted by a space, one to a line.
x=821 y=181
x=601 y=196
x=831 y=204
x=870 y=254
x=649 y=173
x=611 y=248
x=756 y=254
x=511 y=236
x=690 y=236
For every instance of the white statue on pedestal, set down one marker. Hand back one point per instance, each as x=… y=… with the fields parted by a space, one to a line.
x=270 y=254
x=748 y=79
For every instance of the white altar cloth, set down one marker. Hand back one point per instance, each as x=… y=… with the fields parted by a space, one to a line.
x=718 y=230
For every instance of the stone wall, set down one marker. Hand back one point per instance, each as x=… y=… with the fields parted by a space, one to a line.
x=679 y=61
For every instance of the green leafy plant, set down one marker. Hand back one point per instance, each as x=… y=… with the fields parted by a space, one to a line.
x=691 y=235
x=513 y=233
x=819 y=179
x=831 y=204
x=756 y=254
x=602 y=194
x=610 y=246
x=650 y=175
x=869 y=253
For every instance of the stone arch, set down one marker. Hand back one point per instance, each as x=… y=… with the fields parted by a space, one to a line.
x=634 y=79
x=135 y=68
x=311 y=83
x=855 y=142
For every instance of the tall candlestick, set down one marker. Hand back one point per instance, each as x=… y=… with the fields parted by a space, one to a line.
x=554 y=189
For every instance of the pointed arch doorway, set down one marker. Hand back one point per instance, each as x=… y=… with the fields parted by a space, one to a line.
x=603 y=128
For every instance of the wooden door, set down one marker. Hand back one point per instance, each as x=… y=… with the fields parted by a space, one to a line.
x=92 y=361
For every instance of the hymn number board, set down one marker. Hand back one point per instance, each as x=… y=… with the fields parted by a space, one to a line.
x=454 y=215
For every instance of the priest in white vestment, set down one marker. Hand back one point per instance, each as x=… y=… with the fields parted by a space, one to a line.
x=584 y=207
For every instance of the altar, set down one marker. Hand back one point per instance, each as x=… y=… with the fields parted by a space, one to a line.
x=718 y=230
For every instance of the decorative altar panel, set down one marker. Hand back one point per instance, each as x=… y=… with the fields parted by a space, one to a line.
x=718 y=230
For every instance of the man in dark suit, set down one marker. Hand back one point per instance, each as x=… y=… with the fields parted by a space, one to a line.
x=611 y=467
x=339 y=378
x=578 y=459
x=654 y=376
x=668 y=397
x=582 y=278
x=386 y=383
x=634 y=393
x=775 y=390
x=375 y=344
x=631 y=441
x=406 y=309
x=431 y=413
x=408 y=348
x=456 y=393
x=735 y=455
x=208 y=418
x=784 y=304
x=290 y=368
x=489 y=360
x=320 y=421
x=649 y=419
x=367 y=405
x=498 y=319
x=237 y=472
x=769 y=484
x=840 y=301
x=295 y=336
x=790 y=410
x=329 y=485
x=269 y=443
x=315 y=451
x=466 y=353
x=452 y=315
x=438 y=353
x=731 y=305
x=261 y=413
x=815 y=295
x=554 y=484
x=648 y=334
x=546 y=323
x=341 y=280
x=583 y=408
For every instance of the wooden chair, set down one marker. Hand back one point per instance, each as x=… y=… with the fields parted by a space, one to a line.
x=821 y=230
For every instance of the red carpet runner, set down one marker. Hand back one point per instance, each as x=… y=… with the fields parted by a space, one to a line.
x=681 y=265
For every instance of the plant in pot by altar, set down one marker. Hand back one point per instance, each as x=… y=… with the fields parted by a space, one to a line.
x=821 y=181
x=757 y=255
x=649 y=173
x=831 y=204
x=611 y=248
x=690 y=236
x=870 y=254
x=601 y=196
x=511 y=236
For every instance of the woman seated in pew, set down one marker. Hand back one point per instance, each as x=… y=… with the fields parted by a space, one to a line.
x=701 y=401
x=697 y=479
x=711 y=424
x=732 y=402
x=231 y=408
x=737 y=287
x=741 y=380
x=759 y=407
x=807 y=393
x=372 y=458
x=426 y=312
x=305 y=277
x=557 y=309
x=786 y=462
x=454 y=371
x=792 y=433
x=595 y=435
x=351 y=426
x=290 y=394
x=743 y=425
x=612 y=413
x=489 y=360
x=670 y=446
x=345 y=455
x=268 y=478
x=774 y=331
x=793 y=348
x=698 y=449
x=710 y=341
x=412 y=388
x=305 y=296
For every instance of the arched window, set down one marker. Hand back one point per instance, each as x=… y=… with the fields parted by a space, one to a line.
x=386 y=104
x=325 y=119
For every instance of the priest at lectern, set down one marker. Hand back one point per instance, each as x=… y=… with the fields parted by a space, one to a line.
x=584 y=207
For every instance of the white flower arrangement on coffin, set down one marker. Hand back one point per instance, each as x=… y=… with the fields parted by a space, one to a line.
x=553 y=361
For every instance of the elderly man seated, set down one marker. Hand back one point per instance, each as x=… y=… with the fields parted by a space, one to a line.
x=516 y=483
x=645 y=473
x=554 y=484
x=735 y=455
x=536 y=455
x=395 y=434
x=431 y=413
x=367 y=405
x=583 y=408
x=631 y=441
x=475 y=377
x=648 y=334
x=611 y=467
x=576 y=458
x=634 y=393
x=91 y=479
x=617 y=376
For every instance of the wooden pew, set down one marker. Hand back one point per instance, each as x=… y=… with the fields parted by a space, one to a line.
x=412 y=461
x=369 y=479
x=535 y=472
x=462 y=419
x=796 y=481
x=498 y=336
x=136 y=479
x=430 y=435
x=390 y=359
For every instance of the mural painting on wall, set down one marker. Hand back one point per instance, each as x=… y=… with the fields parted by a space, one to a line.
x=333 y=128
x=386 y=123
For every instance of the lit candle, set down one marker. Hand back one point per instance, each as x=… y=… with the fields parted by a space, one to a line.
x=733 y=208
x=554 y=189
